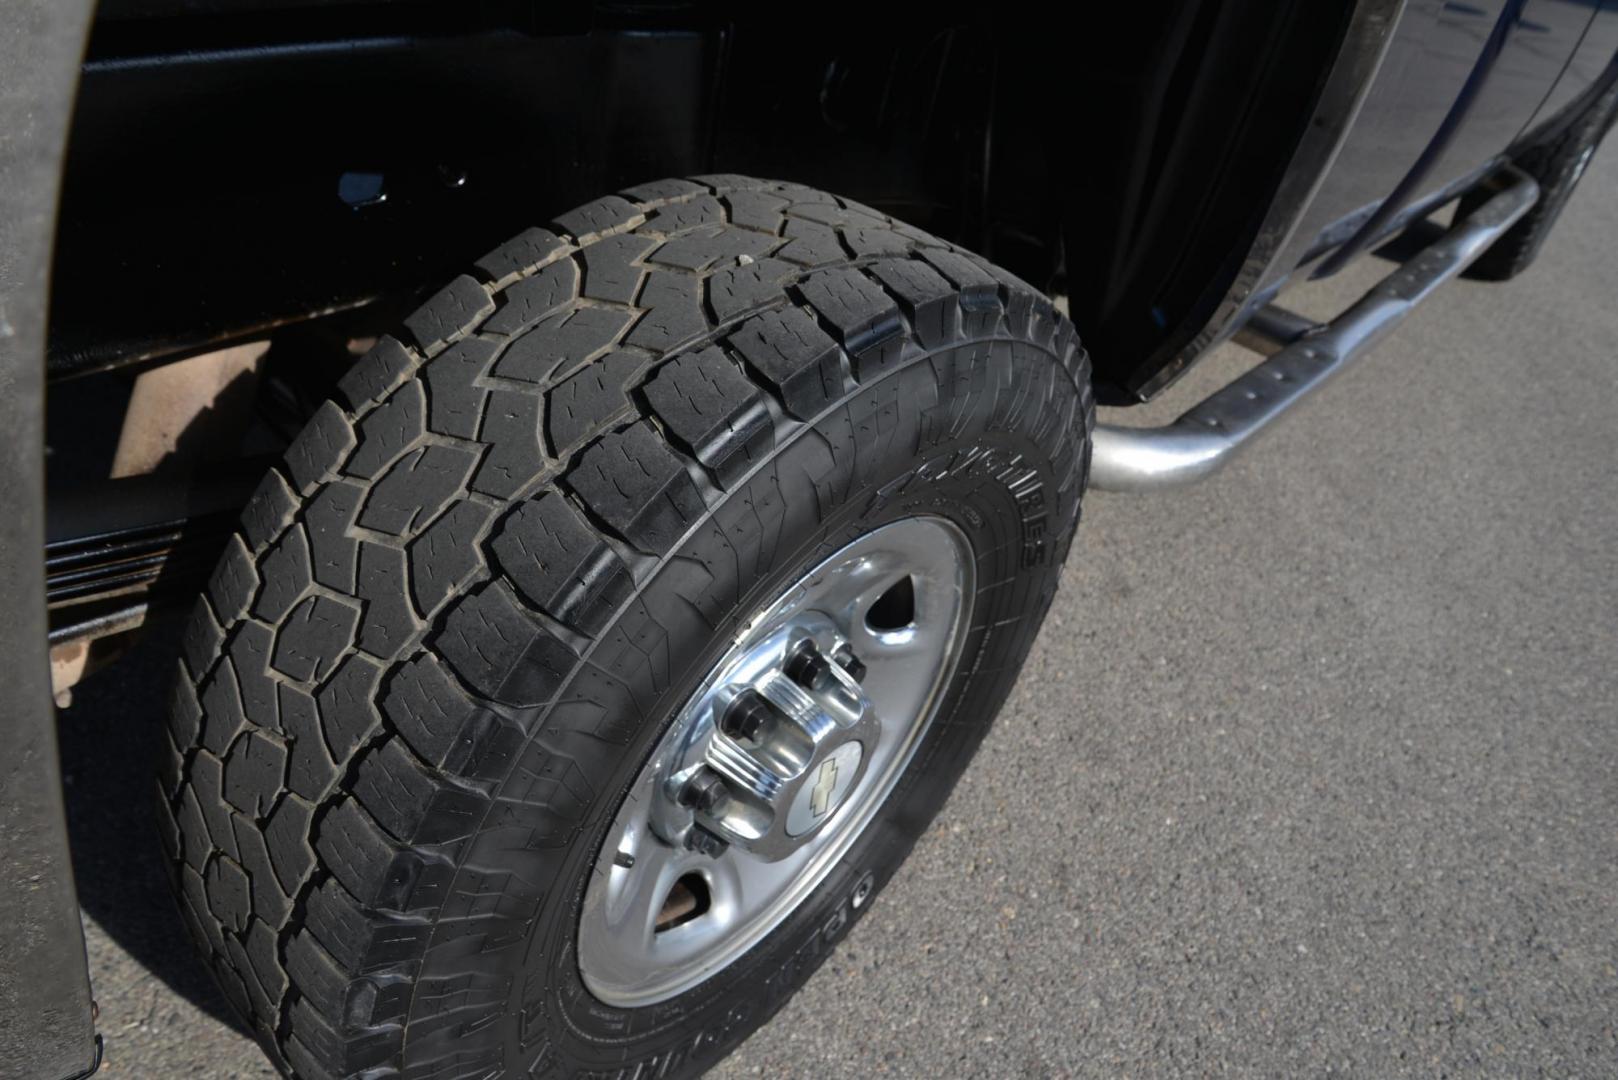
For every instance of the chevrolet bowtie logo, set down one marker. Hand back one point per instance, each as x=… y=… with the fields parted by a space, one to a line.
x=825 y=782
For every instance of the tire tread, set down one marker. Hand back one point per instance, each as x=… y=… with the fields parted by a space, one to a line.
x=466 y=515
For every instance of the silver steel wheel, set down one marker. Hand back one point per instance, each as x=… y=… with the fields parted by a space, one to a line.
x=777 y=763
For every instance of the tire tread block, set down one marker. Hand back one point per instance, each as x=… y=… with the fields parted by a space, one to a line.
x=333 y=553
x=446 y=555
x=711 y=407
x=375 y=374
x=320 y=447
x=416 y=488
x=454 y=395
x=686 y=214
x=607 y=214
x=559 y=564
x=585 y=402
x=559 y=344
x=634 y=482
x=254 y=773
x=314 y=638
x=516 y=454
x=452 y=312
x=500 y=651
x=269 y=511
x=535 y=298
x=522 y=254
x=791 y=353
x=612 y=272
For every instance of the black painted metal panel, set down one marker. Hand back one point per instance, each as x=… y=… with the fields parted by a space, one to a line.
x=45 y=1023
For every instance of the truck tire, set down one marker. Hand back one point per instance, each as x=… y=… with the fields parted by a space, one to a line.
x=442 y=658
x=1557 y=163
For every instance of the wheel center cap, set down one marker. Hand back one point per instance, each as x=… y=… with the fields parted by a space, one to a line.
x=785 y=741
x=831 y=780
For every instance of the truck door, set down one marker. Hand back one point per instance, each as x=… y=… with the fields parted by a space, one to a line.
x=1428 y=72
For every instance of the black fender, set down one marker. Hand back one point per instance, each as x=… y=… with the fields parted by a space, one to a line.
x=46 y=1026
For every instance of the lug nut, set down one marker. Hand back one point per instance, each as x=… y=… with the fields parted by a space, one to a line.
x=706 y=843
x=805 y=665
x=703 y=791
x=746 y=715
x=844 y=655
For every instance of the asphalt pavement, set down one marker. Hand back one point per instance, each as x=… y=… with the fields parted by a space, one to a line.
x=1313 y=771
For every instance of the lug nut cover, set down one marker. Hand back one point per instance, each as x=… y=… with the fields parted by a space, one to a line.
x=703 y=791
x=746 y=715
x=805 y=665
x=706 y=843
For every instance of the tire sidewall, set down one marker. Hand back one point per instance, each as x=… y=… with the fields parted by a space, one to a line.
x=982 y=434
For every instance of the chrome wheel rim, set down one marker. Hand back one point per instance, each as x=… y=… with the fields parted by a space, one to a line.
x=777 y=763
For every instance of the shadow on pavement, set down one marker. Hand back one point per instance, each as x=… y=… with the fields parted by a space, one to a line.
x=109 y=740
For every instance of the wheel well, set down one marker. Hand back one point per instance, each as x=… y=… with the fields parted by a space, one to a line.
x=318 y=158
x=1179 y=135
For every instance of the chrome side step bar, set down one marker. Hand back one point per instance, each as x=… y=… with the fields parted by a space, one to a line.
x=1208 y=435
